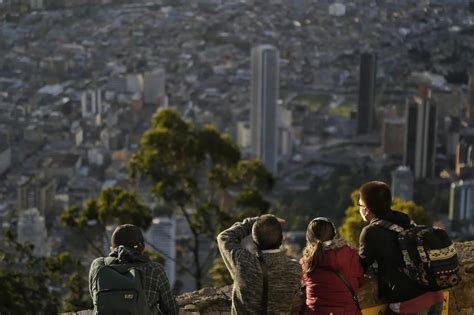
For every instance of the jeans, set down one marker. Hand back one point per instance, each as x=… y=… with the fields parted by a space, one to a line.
x=435 y=309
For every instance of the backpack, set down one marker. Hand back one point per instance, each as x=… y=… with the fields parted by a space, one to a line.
x=428 y=254
x=119 y=290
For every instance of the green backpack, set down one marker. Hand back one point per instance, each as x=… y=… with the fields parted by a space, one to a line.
x=119 y=290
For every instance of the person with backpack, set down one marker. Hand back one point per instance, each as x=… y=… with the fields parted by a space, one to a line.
x=412 y=263
x=265 y=282
x=332 y=273
x=127 y=282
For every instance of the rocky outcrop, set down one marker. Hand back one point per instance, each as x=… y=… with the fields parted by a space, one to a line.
x=216 y=301
x=461 y=300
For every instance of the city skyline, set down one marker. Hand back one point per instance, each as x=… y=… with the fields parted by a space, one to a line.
x=325 y=94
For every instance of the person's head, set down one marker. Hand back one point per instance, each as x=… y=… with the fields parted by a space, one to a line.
x=375 y=200
x=267 y=232
x=319 y=231
x=128 y=235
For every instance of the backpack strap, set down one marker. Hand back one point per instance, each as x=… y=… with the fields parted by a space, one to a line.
x=389 y=226
x=108 y=260
x=349 y=287
x=264 y=267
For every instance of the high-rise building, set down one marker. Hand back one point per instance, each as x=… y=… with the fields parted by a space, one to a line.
x=366 y=103
x=5 y=157
x=402 y=183
x=461 y=207
x=91 y=103
x=31 y=229
x=36 y=193
x=134 y=83
x=465 y=151
x=420 y=134
x=243 y=134
x=264 y=109
x=162 y=235
x=393 y=136
x=154 y=87
x=285 y=131
x=470 y=98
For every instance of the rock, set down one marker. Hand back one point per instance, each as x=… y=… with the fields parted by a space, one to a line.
x=216 y=301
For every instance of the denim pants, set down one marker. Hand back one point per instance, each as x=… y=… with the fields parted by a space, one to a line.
x=432 y=310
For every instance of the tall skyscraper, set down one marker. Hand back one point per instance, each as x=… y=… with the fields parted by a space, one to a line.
x=420 y=134
x=470 y=97
x=366 y=104
x=461 y=207
x=402 y=183
x=264 y=110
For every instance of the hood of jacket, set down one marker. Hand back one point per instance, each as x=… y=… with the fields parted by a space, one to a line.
x=336 y=242
x=397 y=217
x=126 y=255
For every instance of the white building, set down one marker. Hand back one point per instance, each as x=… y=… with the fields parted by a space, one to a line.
x=402 y=183
x=134 y=83
x=461 y=207
x=96 y=156
x=154 y=87
x=243 y=134
x=162 y=235
x=337 y=9
x=78 y=133
x=32 y=229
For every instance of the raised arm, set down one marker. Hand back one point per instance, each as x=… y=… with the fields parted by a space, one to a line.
x=229 y=242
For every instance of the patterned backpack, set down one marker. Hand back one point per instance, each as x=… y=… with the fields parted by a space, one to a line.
x=429 y=255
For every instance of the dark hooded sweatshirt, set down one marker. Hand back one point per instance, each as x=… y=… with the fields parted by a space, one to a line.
x=380 y=245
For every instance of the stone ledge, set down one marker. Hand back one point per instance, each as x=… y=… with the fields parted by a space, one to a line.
x=216 y=301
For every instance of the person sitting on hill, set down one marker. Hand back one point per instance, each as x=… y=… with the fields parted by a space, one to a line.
x=117 y=282
x=332 y=273
x=264 y=283
x=380 y=245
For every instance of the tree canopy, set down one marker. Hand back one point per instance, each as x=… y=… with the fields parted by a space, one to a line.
x=113 y=206
x=34 y=283
x=199 y=172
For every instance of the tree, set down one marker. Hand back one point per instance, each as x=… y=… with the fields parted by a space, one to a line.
x=29 y=282
x=200 y=173
x=329 y=194
x=76 y=297
x=219 y=274
x=113 y=205
x=353 y=223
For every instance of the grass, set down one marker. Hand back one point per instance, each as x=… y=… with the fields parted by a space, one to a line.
x=343 y=110
x=313 y=102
